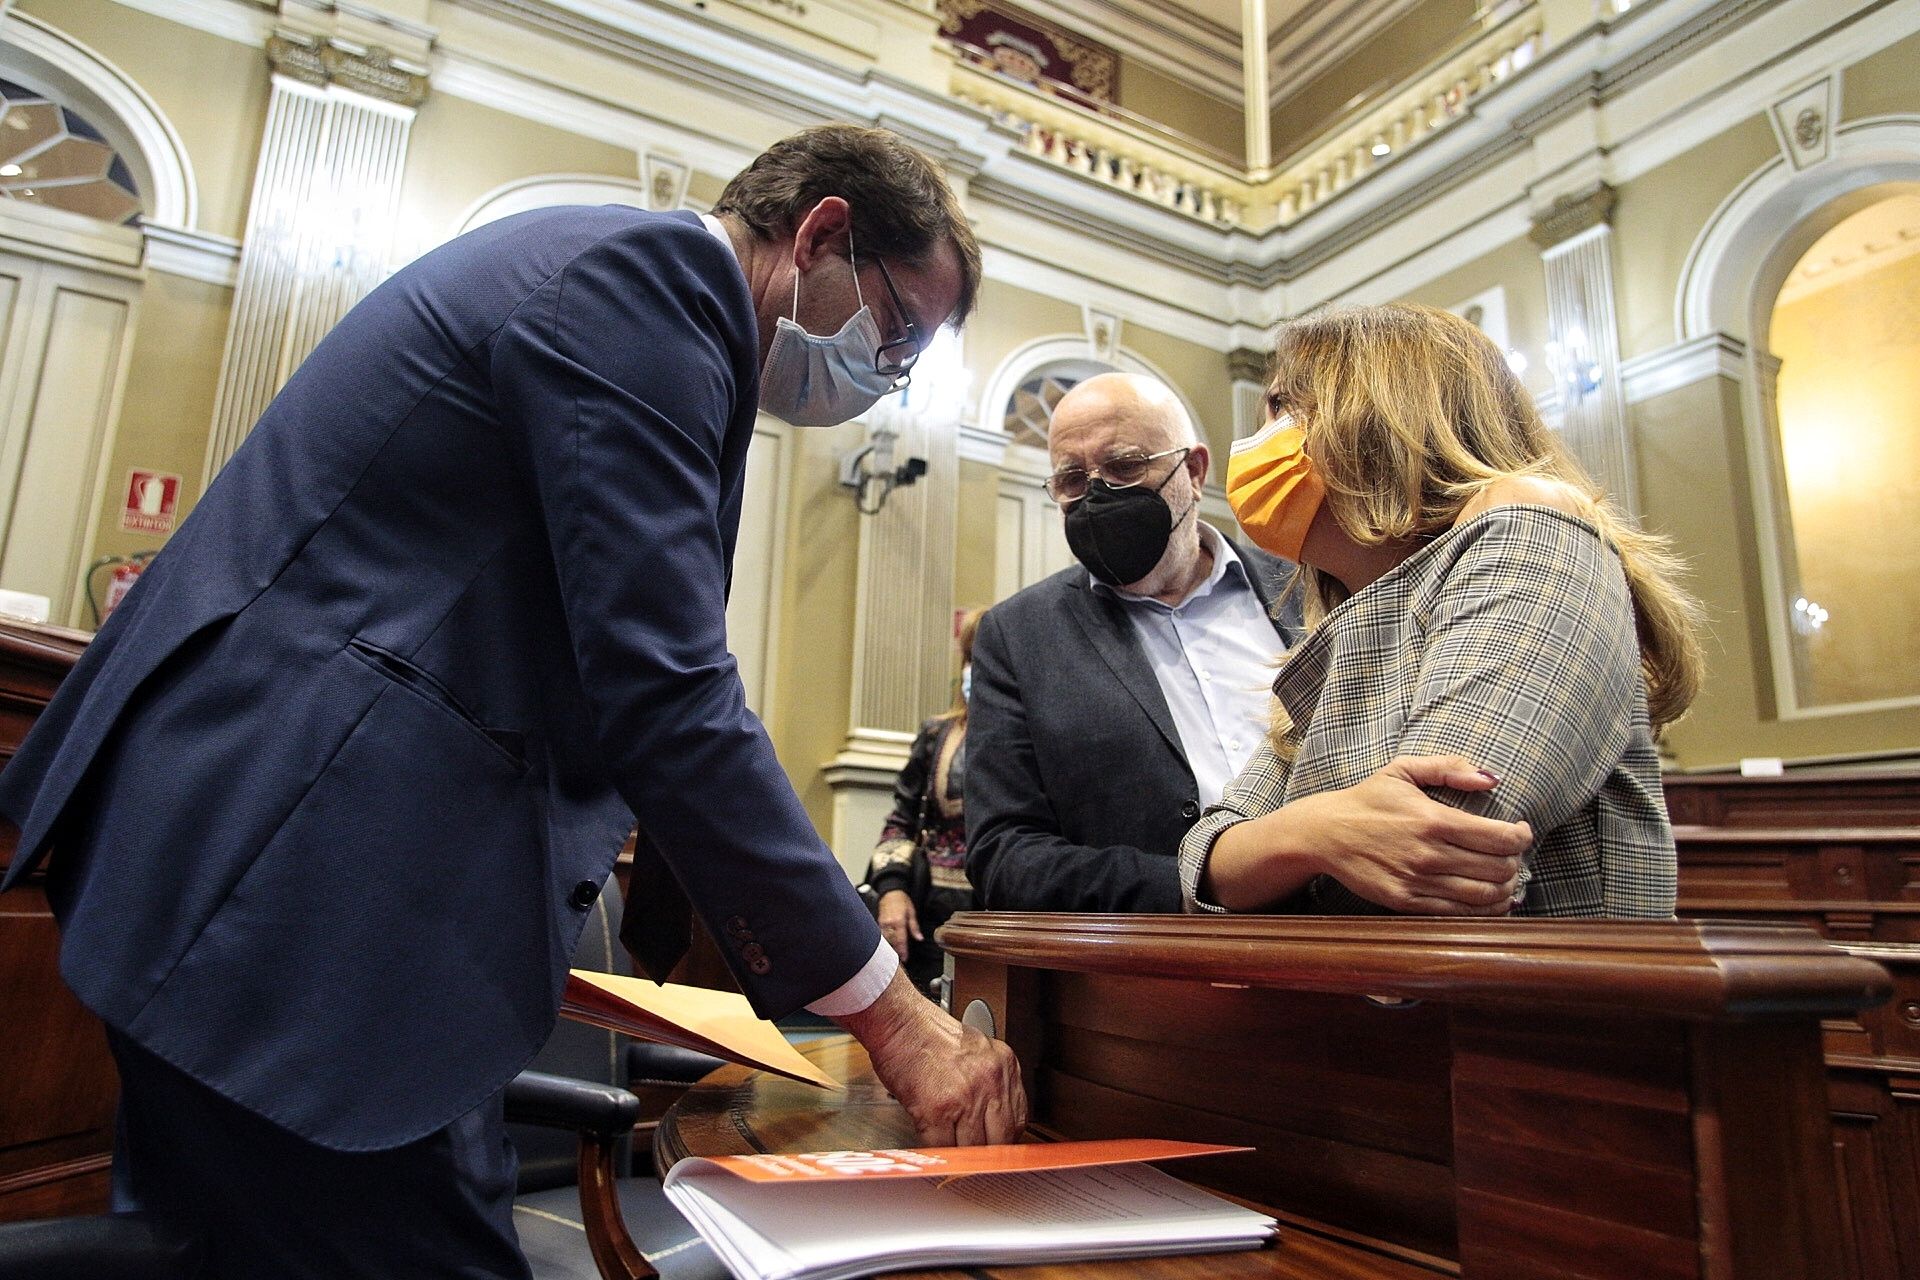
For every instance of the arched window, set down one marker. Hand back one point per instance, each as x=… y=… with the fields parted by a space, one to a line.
x=50 y=155
x=1028 y=412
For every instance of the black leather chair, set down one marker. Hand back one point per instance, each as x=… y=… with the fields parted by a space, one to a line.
x=581 y=1213
x=584 y=1211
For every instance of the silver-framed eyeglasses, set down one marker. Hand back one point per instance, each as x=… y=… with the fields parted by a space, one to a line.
x=1123 y=471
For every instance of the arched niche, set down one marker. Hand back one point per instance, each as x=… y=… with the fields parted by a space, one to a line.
x=548 y=190
x=1729 y=286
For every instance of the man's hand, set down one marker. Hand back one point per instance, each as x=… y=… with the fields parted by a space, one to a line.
x=1385 y=839
x=960 y=1088
x=898 y=920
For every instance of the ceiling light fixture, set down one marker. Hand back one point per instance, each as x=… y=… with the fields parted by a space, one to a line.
x=1381 y=147
x=9 y=170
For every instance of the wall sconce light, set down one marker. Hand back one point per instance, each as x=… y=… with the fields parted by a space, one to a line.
x=1808 y=617
x=869 y=471
x=1574 y=368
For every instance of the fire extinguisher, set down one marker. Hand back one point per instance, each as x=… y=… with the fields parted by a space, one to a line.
x=126 y=571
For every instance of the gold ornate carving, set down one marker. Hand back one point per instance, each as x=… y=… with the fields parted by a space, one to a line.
x=372 y=72
x=1573 y=213
x=1808 y=127
x=1245 y=364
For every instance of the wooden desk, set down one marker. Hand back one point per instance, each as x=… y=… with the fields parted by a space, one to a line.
x=1527 y=1100
x=1886 y=795
x=736 y=1111
x=58 y=1090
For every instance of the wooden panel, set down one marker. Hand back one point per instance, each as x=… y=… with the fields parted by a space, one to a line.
x=1575 y=1148
x=56 y=1098
x=1878 y=1168
x=1625 y=1102
x=1885 y=797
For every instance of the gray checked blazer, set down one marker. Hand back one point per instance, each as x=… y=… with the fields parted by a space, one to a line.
x=1510 y=641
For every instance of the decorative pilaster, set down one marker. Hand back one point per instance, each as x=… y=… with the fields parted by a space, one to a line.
x=903 y=628
x=1576 y=240
x=320 y=222
x=1248 y=370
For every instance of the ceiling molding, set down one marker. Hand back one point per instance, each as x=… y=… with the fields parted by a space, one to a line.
x=1168 y=38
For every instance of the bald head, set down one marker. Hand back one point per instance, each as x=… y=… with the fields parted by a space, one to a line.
x=1115 y=412
x=1123 y=424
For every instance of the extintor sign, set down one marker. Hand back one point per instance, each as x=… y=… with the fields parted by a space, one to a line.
x=152 y=498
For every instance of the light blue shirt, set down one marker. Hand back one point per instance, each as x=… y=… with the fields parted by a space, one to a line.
x=1213 y=656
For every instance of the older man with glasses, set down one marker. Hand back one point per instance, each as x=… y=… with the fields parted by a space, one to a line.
x=1113 y=701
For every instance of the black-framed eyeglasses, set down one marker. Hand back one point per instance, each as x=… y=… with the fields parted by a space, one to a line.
x=1121 y=472
x=895 y=359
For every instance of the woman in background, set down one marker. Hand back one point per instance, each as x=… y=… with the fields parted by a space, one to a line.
x=919 y=868
x=1471 y=595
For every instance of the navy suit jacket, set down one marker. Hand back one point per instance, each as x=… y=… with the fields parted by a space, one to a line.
x=1078 y=790
x=329 y=794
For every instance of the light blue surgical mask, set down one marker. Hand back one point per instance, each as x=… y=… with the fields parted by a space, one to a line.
x=966 y=682
x=817 y=381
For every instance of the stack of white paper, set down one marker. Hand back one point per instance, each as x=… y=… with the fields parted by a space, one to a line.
x=841 y=1228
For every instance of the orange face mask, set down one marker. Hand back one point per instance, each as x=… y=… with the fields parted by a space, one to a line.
x=1272 y=487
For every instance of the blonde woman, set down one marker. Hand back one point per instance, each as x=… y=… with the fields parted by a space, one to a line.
x=1470 y=594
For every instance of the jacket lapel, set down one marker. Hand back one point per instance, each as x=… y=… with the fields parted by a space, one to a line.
x=1105 y=622
x=1267 y=585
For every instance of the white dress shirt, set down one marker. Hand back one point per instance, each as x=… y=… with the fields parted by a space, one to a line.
x=1213 y=657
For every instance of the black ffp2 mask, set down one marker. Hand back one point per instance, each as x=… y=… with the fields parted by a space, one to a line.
x=1120 y=534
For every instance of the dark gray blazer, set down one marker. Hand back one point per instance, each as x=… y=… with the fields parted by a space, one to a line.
x=1078 y=792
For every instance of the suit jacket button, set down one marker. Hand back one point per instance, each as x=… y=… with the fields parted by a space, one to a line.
x=1190 y=810
x=585 y=893
x=756 y=957
x=737 y=927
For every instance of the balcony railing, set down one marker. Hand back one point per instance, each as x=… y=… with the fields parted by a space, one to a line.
x=1115 y=152
x=1132 y=156
x=1422 y=106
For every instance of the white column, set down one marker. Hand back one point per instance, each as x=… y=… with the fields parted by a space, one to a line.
x=1577 y=254
x=1247 y=369
x=1253 y=66
x=903 y=632
x=320 y=223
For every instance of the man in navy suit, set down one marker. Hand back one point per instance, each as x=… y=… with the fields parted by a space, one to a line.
x=330 y=796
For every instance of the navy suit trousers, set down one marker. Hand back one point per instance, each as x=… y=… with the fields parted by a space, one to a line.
x=272 y=1206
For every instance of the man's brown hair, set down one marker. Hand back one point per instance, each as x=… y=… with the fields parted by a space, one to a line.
x=902 y=207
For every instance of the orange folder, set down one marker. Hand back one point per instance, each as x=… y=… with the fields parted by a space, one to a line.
x=721 y=1023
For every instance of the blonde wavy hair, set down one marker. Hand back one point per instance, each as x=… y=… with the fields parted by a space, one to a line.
x=1410 y=413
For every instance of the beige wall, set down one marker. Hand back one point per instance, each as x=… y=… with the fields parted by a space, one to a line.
x=1849 y=397
x=1884 y=83
x=1430 y=30
x=1198 y=372
x=1214 y=123
x=1006 y=318
x=974 y=535
x=1515 y=268
x=1658 y=217
x=175 y=367
x=814 y=683
x=459 y=151
x=214 y=91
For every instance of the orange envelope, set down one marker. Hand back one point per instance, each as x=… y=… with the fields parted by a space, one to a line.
x=721 y=1023
x=955 y=1162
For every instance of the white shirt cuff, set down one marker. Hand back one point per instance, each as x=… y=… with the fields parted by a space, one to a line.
x=863 y=988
